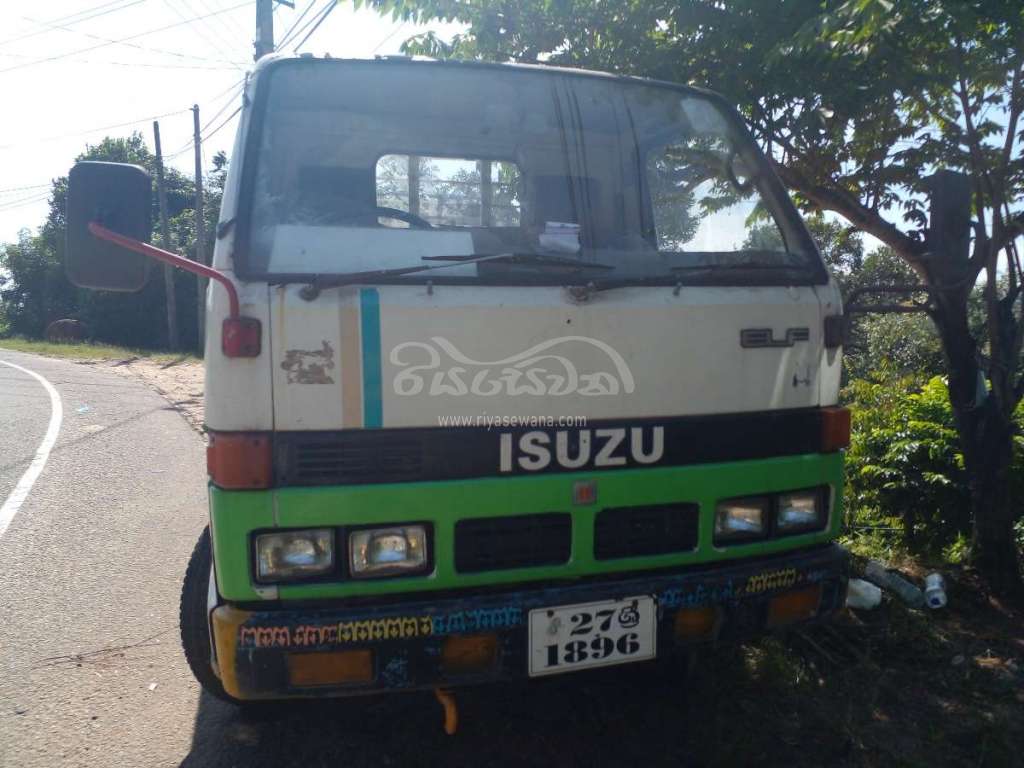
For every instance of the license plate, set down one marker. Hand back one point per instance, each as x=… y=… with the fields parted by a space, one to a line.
x=570 y=637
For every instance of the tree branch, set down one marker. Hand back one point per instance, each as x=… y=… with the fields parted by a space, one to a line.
x=1012 y=229
x=839 y=201
x=1016 y=105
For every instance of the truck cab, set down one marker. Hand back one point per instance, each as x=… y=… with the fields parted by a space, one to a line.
x=510 y=371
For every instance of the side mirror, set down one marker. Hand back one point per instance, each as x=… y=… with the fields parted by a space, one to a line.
x=119 y=197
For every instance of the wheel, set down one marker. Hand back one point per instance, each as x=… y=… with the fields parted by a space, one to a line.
x=194 y=618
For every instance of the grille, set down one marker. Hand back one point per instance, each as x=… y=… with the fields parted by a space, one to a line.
x=638 y=531
x=336 y=461
x=500 y=543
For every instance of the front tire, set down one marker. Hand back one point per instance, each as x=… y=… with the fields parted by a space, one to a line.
x=194 y=619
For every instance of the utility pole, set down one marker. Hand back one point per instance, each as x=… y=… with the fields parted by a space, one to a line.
x=200 y=225
x=165 y=236
x=264 y=42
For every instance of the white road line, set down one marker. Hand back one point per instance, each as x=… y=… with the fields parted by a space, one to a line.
x=20 y=492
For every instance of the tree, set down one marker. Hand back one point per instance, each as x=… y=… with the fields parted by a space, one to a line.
x=857 y=103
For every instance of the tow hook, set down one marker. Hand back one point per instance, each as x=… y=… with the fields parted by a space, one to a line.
x=451 y=711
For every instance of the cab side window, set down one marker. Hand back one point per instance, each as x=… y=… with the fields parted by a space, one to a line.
x=447 y=192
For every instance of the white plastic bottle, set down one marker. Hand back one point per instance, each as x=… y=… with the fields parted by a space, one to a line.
x=935 y=591
x=862 y=595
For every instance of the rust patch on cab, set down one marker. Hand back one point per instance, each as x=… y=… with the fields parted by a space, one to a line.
x=309 y=366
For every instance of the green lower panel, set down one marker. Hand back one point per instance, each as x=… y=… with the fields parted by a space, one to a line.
x=235 y=514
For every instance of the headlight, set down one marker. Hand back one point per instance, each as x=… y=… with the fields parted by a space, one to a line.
x=290 y=555
x=741 y=519
x=800 y=511
x=388 y=551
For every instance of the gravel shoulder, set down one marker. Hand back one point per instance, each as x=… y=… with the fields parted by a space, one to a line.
x=179 y=382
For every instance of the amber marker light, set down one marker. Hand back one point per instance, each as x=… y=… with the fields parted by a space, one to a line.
x=835 y=429
x=239 y=460
x=695 y=623
x=335 y=668
x=793 y=606
x=469 y=653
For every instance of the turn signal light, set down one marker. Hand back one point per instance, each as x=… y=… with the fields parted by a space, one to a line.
x=240 y=337
x=794 y=606
x=469 y=653
x=239 y=460
x=835 y=429
x=335 y=668
x=695 y=623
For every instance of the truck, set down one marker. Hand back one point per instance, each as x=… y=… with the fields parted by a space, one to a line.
x=511 y=371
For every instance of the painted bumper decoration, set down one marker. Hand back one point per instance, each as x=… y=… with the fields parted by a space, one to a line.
x=374 y=630
x=406 y=639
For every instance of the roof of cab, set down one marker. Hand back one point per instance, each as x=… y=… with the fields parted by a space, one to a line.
x=276 y=59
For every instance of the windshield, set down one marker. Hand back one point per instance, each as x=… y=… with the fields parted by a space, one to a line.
x=363 y=166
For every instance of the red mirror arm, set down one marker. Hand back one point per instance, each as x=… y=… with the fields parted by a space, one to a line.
x=167 y=257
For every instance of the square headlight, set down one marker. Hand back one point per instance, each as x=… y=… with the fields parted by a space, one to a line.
x=293 y=555
x=741 y=519
x=800 y=511
x=400 y=549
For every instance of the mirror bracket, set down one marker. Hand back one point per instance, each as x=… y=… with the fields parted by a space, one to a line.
x=159 y=254
x=240 y=336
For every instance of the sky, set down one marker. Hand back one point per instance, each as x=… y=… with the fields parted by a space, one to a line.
x=64 y=84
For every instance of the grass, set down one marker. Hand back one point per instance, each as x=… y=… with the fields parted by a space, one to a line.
x=89 y=351
x=931 y=688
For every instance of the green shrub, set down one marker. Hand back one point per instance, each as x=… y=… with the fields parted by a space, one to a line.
x=905 y=469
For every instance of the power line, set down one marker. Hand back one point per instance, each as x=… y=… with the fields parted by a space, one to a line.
x=240 y=81
x=390 y=34
x=288 y=35
x=229 y=33
x=70 y=19
x=203 y=139
x=227 y=120
x=136 y=45
x=326 y=12
x=241 y=32
x=233 y=66
x=21 y=189
x=122 y=40
x=219 y=112
x=235 y=91
x=96 y=130
x=23 y=202
x=296 y=30
x=201 y=29
x=224 y=68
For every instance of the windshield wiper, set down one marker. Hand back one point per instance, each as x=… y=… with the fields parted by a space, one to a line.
x=526 y=257
x=738 y=267
x=312 y=289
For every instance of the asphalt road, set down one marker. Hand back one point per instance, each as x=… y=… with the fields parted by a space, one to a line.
x=91 y=672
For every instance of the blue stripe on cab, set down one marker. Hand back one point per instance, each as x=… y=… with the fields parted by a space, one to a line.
x=369 y=305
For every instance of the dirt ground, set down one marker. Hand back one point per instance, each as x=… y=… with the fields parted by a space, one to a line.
x=179 y=381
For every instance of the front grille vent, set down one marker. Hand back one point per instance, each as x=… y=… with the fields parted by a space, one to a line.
x=334 y=461
x=523 y=541
x=640 y=531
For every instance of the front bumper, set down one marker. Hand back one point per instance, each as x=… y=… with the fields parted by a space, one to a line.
x=401 y=645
